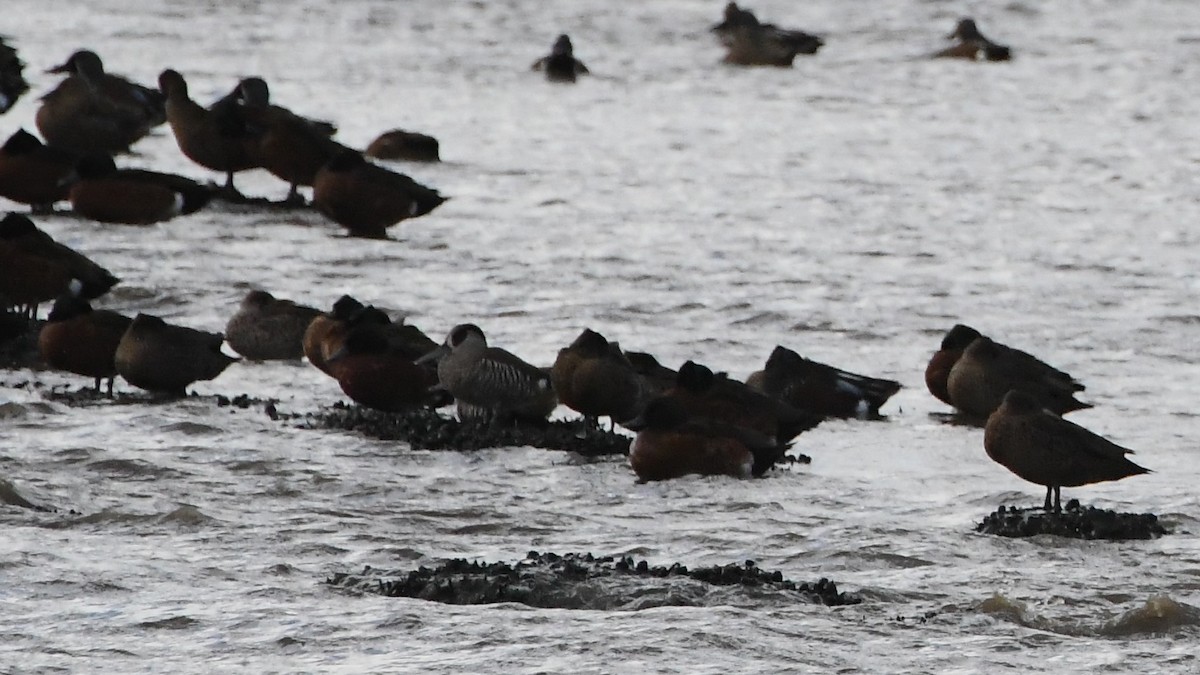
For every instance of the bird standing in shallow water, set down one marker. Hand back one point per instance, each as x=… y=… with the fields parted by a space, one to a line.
x=1043 y=448
x=594 y=379
x=490 y=380
x=81 y=340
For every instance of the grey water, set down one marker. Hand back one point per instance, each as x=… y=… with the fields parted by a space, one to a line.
x=852 y=208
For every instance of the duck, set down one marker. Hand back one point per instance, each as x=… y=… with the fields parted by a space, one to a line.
x=161 y=357
x=592 y=377
x=34 y=173
x=102 y=192
x=716 y=396
x=82 y=340
x=216 y=138
x=820 y=388
x=27 y=280
x=328 y=330
x=405 y=145
x=365 y=198
x=1043 y=448
x=92 y=111
x=24 y=235
x=12 y=76
x=937 y=372
x=657 y=379
x=987 y=370
x=374 y=374
x=267 y=328
x=671 y=442
x=291 y=147
x=497 y=381
x=749 y=42
x=560 y=65
x=972 y=45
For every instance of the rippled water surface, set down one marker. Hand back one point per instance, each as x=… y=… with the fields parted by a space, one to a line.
x=853 y=208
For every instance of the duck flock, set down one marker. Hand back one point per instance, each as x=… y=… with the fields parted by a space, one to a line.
x=689 y=420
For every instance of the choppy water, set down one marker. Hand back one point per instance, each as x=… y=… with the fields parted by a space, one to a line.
x=852 y=208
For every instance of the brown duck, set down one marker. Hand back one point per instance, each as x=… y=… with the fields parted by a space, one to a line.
x=715 y=396
x=163 y=357
x=972 y=45
x=102 y=192
x=749 y=42
x=365 y=198
x=81 y=340
x=20 y=232
x=34 y=173
x=560 y=65
x=92 y=111
x=268 y=328
x=374 y=373
x=12 y=77
x=594 y=379
x=216 y=138
x=1043 y=448
x=672 y=442
x=987 y=371
x=406 y=145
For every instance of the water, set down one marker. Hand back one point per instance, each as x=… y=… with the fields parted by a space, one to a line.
x=852 y=208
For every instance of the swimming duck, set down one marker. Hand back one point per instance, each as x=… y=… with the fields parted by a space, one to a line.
x=987 y=370
x=671 y=442
x=1043 y=448
x=560 y=65
x=810 y=385
x=749 y=42
x=406 y=145
x=291 y=147
x=102 y=192
x=95 y=112
x=81 y=340
x=366 y=199
x=12 y=77
x=216 y=138
x=973 y=45
x=162 y=357
x=594 y=379
x=267 y=328
x=20 y=232
x=34 y=173
x=374 y=374
x=492 y=378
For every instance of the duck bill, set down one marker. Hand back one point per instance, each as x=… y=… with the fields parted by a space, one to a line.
x=61 y=68
x=433 y=356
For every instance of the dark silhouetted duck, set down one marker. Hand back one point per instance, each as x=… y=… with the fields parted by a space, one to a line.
x=973 y=45
x=327 y=333
x=267 y=328
x=28 y=279
x=22 y=233
x=367 y=199
x=94 y=112
x=749 y=42
x=12 y=77
x=291 y=147
x=813 y=386
x=657 y=379
x=374 y=374
x=595 y=379
x=407 y=145
x=715 y=396
x=492 y=379
x=217 y=138
x=671 y=442
x=100 y=191
x=956 y=340
x=34 y=173
x=162 y=357
x=81 y=340
x=560 y=65
x=987 y=370
x=1043 y=448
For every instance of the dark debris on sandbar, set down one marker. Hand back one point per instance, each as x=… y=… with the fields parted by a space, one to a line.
x=1075 y=522
x=586 y=581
